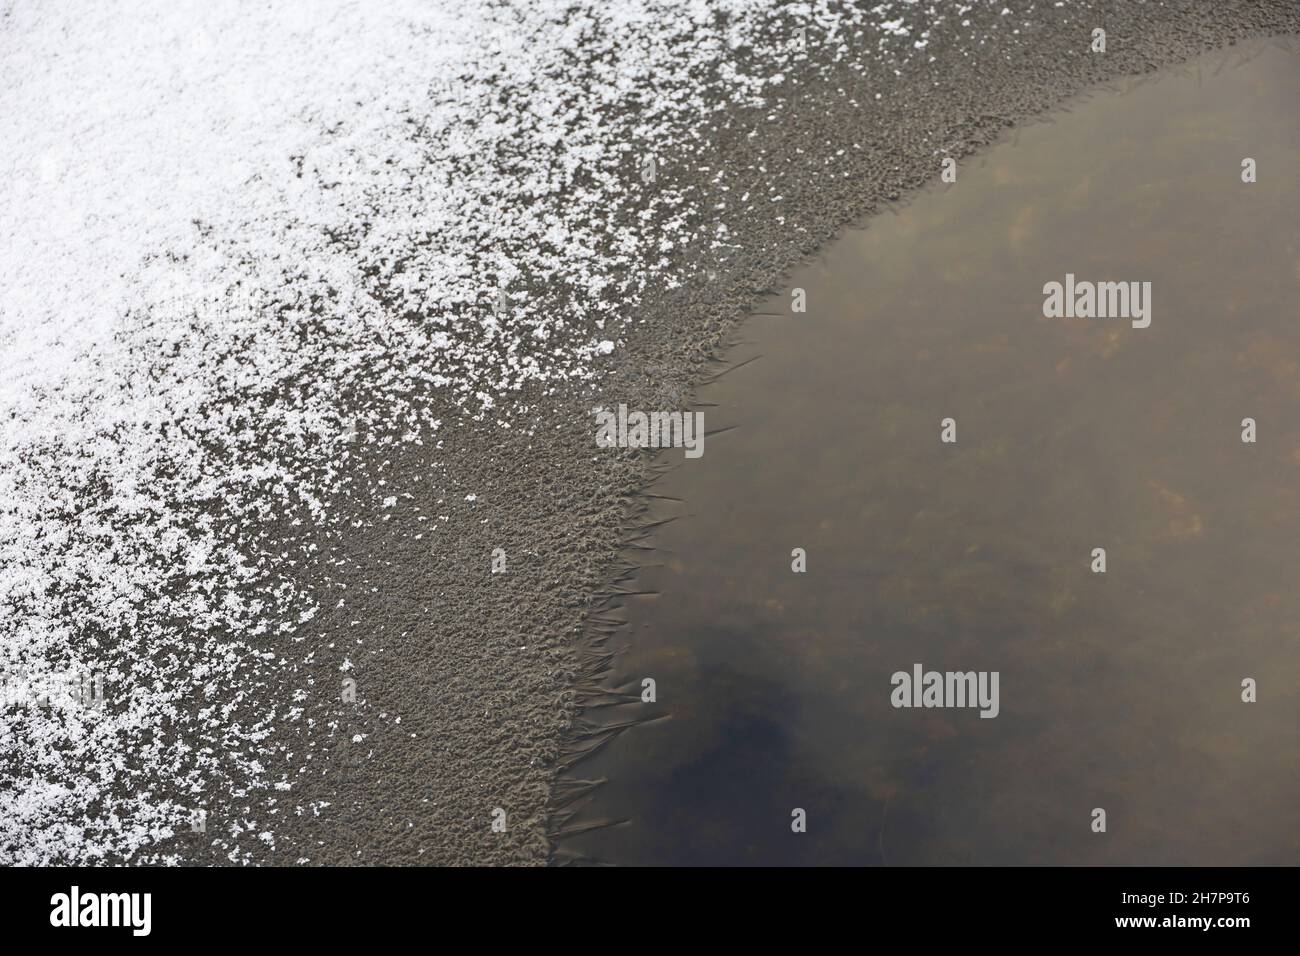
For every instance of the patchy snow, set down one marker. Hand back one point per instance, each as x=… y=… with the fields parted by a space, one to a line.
x=236 y=236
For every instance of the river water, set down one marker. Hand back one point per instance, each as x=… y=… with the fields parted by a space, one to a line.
x=1119 y=691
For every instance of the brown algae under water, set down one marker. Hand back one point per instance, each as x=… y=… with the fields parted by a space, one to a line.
x=774 y=695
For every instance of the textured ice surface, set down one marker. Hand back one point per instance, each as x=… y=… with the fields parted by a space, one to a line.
x=230 y=231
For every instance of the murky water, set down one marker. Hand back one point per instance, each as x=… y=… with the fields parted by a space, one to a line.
x=1119 y=690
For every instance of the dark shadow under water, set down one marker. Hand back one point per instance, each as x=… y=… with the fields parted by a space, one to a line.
x=1119 y=690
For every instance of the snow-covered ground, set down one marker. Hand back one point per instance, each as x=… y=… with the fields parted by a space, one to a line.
x=234 y=234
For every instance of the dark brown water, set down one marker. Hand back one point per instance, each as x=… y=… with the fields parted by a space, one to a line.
x=1119 y=690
